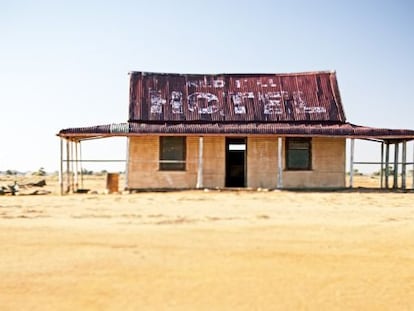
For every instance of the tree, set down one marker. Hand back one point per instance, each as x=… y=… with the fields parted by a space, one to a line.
x=40 y=172
x=86 y=172
x=390 y=171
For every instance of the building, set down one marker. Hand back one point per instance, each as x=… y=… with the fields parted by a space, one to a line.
x=236 y=130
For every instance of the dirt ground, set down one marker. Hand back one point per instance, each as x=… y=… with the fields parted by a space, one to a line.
x=207 y=250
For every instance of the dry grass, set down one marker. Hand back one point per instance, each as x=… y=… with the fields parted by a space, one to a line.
x=207 y=250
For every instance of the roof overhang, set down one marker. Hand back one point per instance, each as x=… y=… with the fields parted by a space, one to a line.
x=285 y=129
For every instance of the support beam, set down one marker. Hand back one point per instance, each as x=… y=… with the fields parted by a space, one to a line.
x=404 y=165
x=76 y=170
x=67 y=166
x=80 y=164
x=387 y=164
x=61 y=167
x=72 y=169
x=351 y=164
x=382 y=166
x=396 y=155
x=280 y=163
x=200 y=163
x=127 y=165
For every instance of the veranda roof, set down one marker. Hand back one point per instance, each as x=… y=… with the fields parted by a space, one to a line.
x=346 y=130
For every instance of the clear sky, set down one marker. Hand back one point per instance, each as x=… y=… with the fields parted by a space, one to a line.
x=65 y=63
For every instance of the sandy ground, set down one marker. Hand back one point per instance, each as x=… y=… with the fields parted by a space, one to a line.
x=208 y=250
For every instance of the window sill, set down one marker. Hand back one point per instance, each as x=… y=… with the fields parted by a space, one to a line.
x=298 y=170
x=172 y=171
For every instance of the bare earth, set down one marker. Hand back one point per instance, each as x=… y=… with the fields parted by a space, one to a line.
x=208 y=250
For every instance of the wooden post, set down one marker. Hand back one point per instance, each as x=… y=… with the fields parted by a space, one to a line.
x=404 y=165
x=127 y=165
x=76 y=166
x=280 y=163
x=61 y=167
x=68 y=166
x=80 y=164
x=200 y=163
x=387 y=164
x=382 y=165
x=396 y=155
x=72 y=169
x=351 y=164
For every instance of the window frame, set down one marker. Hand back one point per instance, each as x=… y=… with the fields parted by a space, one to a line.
x=289 y=149
x=180 y=161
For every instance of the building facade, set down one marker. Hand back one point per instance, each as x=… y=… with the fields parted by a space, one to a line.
x=229 y=161
x=235 y=130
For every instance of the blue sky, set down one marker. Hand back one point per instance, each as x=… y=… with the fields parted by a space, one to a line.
x=65 y=63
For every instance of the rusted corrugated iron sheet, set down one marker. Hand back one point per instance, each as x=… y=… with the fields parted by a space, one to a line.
x=239 y=128
x=310 y=96
x=283 y=129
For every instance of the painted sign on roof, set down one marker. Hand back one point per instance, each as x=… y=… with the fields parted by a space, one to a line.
x=235 y=97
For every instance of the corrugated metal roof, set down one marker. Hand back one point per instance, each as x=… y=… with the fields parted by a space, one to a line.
x=297 y=104
x=238 y=128
x=312 y=96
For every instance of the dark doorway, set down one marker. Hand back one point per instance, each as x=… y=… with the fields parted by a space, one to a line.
x=236 y=162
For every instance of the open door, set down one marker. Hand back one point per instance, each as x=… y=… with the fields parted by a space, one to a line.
x=236 y=162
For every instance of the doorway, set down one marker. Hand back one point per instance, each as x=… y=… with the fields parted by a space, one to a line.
x=236 y=162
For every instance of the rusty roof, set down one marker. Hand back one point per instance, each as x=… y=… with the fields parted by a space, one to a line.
x=347 y=130
x=296 y=104
x=215 y=98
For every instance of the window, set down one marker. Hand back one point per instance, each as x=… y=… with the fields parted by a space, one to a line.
x=298 y=154
x=172 y=153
